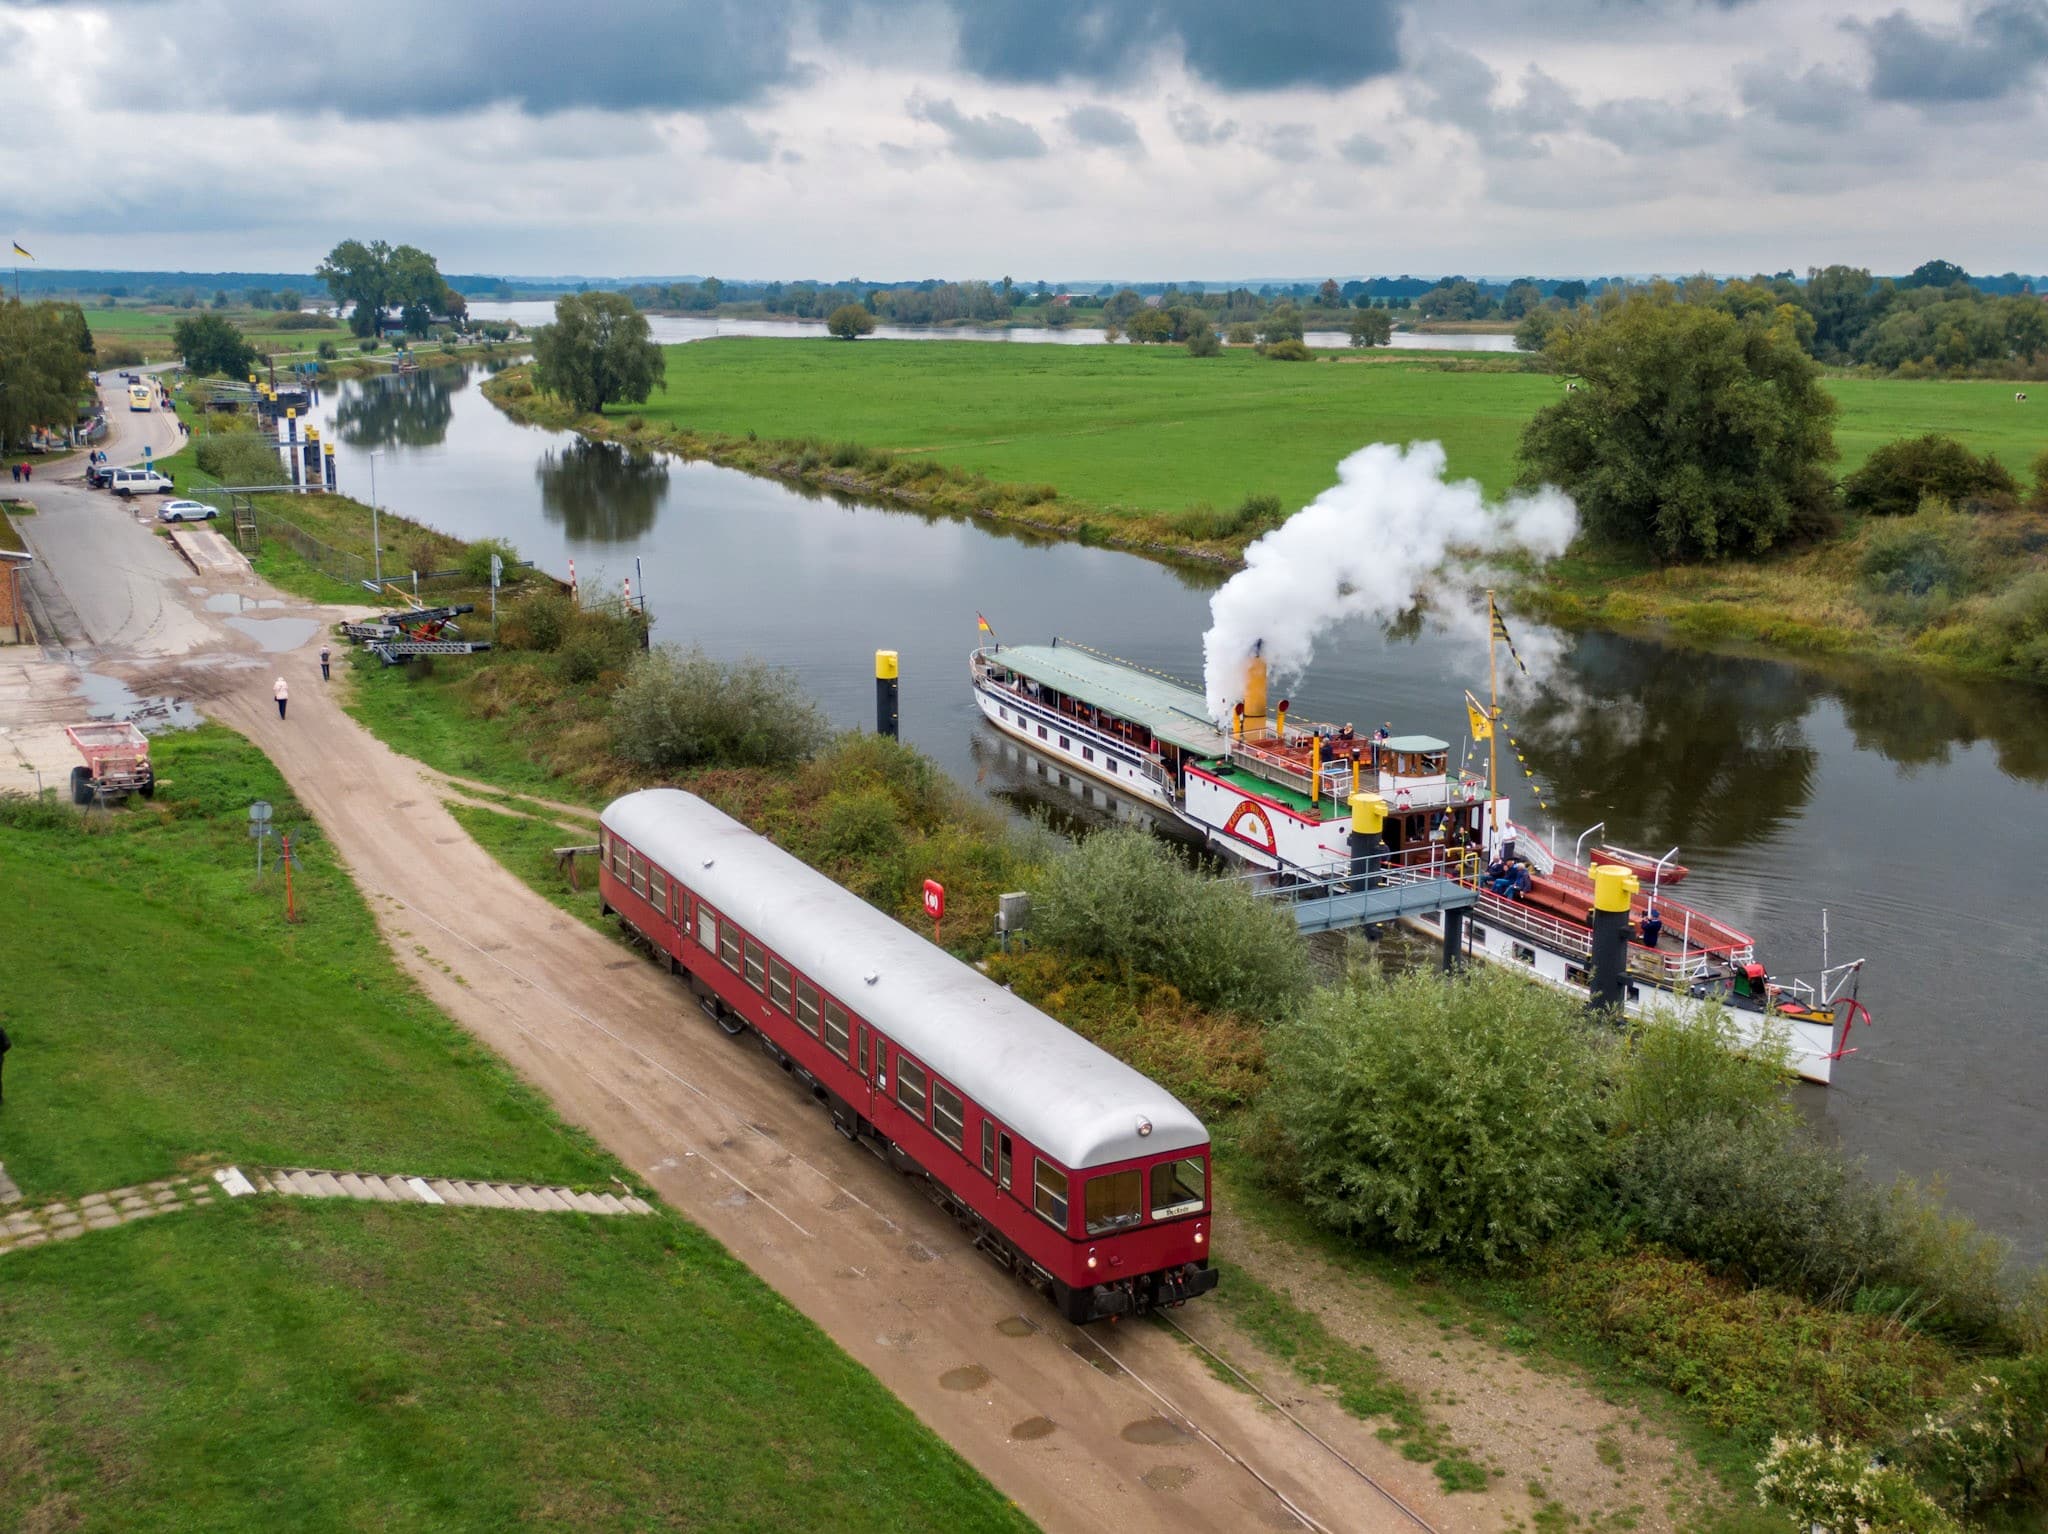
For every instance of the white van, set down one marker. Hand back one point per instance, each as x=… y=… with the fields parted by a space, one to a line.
x=139 y=482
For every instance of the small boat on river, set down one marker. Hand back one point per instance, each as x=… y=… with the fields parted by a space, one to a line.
x=1276 y=793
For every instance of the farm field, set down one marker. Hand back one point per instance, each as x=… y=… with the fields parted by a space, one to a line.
x=150 y=329
x=284 y=1363
x=1154 y=430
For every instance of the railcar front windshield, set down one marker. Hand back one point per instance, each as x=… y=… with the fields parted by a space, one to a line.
x=1115 y=1201
x=1179 y=1187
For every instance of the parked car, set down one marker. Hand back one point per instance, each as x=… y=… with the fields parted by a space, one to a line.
x=99 y=475
x=140 y=482
x=186 y=511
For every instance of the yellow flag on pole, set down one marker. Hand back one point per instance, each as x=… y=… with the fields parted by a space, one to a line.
x=22 y=253
x=1482 y=722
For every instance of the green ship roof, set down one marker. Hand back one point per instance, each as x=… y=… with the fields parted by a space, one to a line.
x=1168 y=709
x=1416 y=743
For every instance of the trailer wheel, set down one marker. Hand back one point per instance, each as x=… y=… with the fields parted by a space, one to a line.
x=81 y=786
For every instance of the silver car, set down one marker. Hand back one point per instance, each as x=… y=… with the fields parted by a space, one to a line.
x=186 y=511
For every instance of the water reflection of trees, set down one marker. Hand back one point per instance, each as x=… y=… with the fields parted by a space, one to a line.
x=1918 y=720
x=405 y=410
x=599 y=492
x=1669 y=746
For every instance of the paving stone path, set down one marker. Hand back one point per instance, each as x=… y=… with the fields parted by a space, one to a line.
x=22 y=1227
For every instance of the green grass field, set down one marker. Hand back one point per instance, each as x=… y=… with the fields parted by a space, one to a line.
x=1152 y=429
x=278 y=1363
x=150 y=329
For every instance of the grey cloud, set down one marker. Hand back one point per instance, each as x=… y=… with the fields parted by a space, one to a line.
x=1101 y=127
x=1819 y=98
x=1192 y=124
x=989 y=137
x=1455 y=87
x=1996 y=50
x=734 y=138
x=1640 y=123
x=1328 y=44
x=1362 y=149
x=1291 y=143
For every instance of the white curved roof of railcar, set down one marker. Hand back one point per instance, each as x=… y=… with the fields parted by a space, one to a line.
x=1049 y=1085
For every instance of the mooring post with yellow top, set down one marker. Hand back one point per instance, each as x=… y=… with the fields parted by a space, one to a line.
x=1614 y=893
x=330 y=468
x=887 y=664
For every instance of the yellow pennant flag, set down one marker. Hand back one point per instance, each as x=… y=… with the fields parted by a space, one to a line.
x=1482 y=723
x=20 y=252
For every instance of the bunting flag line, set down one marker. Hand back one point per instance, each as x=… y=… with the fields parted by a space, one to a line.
x=1500 y=632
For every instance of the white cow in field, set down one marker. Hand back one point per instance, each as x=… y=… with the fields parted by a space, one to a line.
x=2019 y=399
x=1568 y=388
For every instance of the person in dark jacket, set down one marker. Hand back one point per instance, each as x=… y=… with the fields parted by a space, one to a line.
x=1651 y=928
x=5 y=1044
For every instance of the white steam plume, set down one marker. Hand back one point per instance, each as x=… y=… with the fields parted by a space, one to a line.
x=1364 y=548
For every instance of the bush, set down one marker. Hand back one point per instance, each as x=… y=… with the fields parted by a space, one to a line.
x=299 y=319
x=1457 y=1117
x=1918 y=556
x=1254 y=514
x=849 y=322
x=2039 y=469
x=1896 y=478
x=1833 y=1487
x=1680 y=1072
x=859 y=824
x=538 y=622
x=116 y=354
x=1987 y=1444
x=1242 y=334
x=366 y=347
x=476 y=562
x=239 y=458
x=1123 y=897
x=1203 y=343
x=327 y=351
x=680 y=708
x=1286 y=351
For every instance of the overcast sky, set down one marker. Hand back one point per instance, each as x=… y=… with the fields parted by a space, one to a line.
x=1035 y=138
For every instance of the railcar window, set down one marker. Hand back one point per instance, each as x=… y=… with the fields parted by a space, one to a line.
x=729 y=946
x=1178 y=1187
x=1003 y=1165
x=988 y=1146
x=707 y=928
x=835 y=1028
x=865 y=1035
x=657 y=888
x=757 y=967
x=910 y=1086
x=639 y=874
x=949 y=1120
x=1050 y=1193
x=778 y=985
x=807 y=1007
x=1114 y=1201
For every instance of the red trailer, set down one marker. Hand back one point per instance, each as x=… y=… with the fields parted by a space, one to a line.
x=116 y=762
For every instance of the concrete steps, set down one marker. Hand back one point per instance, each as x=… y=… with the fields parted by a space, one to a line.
x=534 y=1198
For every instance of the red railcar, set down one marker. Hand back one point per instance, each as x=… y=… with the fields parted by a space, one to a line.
x=1086 y=1178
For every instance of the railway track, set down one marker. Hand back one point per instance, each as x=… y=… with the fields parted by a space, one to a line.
x=1308 y=1520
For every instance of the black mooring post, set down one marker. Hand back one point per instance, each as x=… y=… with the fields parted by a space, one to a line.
x=1454 y=938
x=1613 y=893
x=886 y=686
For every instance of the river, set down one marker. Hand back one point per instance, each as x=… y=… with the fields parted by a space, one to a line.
x=1913 y=809
x=672 y=328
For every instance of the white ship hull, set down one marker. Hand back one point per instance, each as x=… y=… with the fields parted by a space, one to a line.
x=1085 y=750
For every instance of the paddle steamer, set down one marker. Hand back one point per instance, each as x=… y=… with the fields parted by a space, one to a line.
x=1277 y=794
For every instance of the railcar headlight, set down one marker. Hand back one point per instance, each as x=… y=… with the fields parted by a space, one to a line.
x=1091 y=1262
x=1199 y=1238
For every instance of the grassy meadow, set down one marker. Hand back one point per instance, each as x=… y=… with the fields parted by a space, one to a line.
x=277 y=1363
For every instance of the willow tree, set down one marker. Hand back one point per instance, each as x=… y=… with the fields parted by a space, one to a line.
x=597 y=352
x=1686 y=431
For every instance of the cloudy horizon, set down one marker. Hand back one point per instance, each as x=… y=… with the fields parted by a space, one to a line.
x=1052 y=140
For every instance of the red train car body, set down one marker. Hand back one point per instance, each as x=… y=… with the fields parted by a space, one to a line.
x=1084 y=1177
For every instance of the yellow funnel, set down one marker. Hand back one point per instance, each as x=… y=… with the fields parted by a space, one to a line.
x=1255 y=695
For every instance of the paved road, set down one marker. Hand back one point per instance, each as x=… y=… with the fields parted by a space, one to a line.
x=711 y=1124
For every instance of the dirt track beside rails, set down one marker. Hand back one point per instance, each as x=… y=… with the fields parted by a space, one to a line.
x=1069 y=1426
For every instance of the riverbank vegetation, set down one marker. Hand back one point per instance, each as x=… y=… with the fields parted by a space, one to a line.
x=267 y=1362
x=1656 y=1210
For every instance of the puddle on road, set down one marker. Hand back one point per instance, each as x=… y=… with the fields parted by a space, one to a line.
x=1016 y=1326
x=276 y=635
x=966 y=1377
x=109 y=697
x=1156 y=1430
x=1033 y=1427
x=235 y=602
x=1167 y=1477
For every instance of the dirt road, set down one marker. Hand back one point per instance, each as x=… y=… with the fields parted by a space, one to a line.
x=1085 y=1431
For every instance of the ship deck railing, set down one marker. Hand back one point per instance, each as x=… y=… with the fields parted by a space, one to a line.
x=1096 y=734
x=1365 y=892
x=1286 y=763
x=1674 y=969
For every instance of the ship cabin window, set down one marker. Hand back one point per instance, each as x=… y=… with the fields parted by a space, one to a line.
x=778 y=985
x=807 y=1008
x=1478 y=935
x=1049 y=1192
x=836 y=1029
x=988 y=1146
x=1524 y=954
x=949 y=1116
x=757 y=967
x=1041 y=732
x=1113 y=1201
x=1087 y=753
x=1179 y=1187
x=910 y=1081
x=729 y=946
x=1575 y=974
x=657 y=888
x=1065 y=744
x=707 y=928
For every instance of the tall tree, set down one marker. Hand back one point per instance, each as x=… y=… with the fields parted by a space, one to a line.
x=1691 y=433
x=1371 y=327
x=597 y=351
x=211 y=344
x=42 y=370
x=359 y=274
x=415 y=287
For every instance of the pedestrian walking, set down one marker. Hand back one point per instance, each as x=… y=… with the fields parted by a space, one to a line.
x=5 y=1044
x=323 y=664
x=283 y=694
x=28 y=472
x=15 y=470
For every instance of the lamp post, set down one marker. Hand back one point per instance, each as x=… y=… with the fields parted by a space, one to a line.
x=376 y=543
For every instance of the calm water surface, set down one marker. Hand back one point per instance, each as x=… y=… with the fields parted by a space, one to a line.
x=670 y=328
x=1914 y=810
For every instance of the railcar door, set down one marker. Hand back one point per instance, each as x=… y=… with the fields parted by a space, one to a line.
x=873 y=1080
